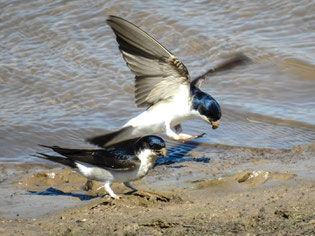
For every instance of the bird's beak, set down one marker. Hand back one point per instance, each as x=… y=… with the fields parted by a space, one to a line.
x=163 y=152
x=215 y=124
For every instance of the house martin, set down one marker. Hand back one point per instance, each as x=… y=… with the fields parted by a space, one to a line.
x=127 y=163
x=162 y=85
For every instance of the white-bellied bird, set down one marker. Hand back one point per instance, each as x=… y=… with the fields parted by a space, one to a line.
x=162 y=85
x=124 y=164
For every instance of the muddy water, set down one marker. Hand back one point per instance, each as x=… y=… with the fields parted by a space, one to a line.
x=62 y=77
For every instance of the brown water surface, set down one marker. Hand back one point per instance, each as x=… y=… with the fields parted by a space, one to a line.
x=62 y=77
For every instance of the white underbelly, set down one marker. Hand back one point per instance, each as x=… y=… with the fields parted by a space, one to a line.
x=103 y=175
x=157 y=117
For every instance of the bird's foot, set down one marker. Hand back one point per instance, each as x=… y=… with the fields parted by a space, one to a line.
x=112 y=197
x=109 y=190
x=115 y=197
x=128 y=184
x=200 y=135
x=187 y=137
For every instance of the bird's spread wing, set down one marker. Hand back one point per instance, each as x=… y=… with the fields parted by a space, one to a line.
x=158 y=73
x=117 y=159
x=235 y=60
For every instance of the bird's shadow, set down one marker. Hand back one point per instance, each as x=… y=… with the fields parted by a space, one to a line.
x=178 y=154
x=56 y=192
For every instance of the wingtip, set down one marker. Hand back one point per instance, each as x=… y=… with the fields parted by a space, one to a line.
x=110 y=18
x=50 y=147
x=40 y=155
x=235 y=60
x=42 y=145
x=241 y=58
x=113 y=18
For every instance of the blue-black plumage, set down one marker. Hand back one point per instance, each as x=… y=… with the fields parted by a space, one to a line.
x=125 y=163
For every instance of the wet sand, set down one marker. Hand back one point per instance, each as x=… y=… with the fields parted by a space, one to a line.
x=241 y=191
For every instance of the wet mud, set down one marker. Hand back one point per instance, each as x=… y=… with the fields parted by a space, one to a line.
x=255 y=192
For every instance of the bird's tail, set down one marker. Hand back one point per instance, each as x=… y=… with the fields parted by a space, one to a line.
x=68 y=152
x=114 y=138
x=74 y=154
x=61 y=160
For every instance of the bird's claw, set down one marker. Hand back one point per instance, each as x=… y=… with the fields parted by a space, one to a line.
x=200 y=135
x=114 y=197
x=185 y=138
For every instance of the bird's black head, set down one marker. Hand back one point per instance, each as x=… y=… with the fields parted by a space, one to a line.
x=208 y=108
x=153 y=143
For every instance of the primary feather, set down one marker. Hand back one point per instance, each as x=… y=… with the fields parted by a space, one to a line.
x=158 y=73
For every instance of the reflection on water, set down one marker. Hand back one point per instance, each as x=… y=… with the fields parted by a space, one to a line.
x=62 y=77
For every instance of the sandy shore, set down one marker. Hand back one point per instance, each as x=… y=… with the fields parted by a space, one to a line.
x=241 y=191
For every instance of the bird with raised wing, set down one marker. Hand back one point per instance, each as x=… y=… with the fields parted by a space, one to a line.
x=127 y=163
x=162 y=85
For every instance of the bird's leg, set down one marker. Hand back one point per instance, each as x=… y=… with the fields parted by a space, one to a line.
x=186 y=137
x=128 y=184
x=170 y=133
x=109 y=190
x=196 y=136
x=179 y=135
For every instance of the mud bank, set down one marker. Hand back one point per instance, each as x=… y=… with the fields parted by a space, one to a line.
x=239 y=192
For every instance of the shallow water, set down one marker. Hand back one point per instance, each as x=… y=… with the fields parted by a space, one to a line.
x=62 y=77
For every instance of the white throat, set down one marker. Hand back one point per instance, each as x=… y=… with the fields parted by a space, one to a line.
x=147 y=158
